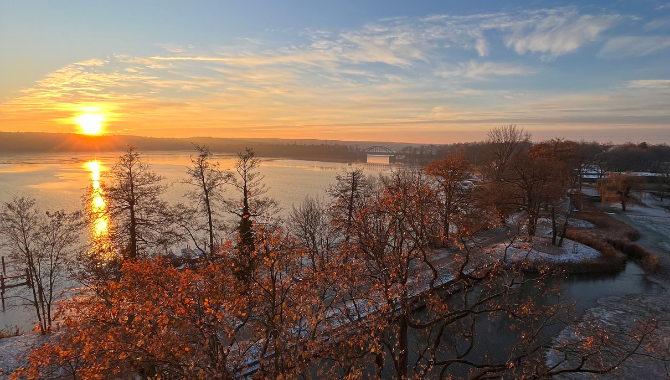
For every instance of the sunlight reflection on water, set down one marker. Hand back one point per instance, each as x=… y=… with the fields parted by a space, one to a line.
x=97 y=209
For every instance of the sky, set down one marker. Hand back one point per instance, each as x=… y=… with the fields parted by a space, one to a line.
x=405 y=71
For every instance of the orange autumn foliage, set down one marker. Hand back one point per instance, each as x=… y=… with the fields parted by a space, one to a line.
x=193 y=324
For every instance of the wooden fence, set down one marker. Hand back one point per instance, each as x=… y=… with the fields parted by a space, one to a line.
x=11 y=281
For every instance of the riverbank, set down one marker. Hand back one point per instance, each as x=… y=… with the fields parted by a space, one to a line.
x=650 y=219
x=618 y=316
x=615 y=239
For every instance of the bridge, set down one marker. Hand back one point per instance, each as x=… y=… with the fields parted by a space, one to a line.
x=380 y=155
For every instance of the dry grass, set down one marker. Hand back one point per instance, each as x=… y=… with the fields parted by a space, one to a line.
x=7 y=333
x=611 y=237
x=650 y=263
x=647 y=260
x=607 y=223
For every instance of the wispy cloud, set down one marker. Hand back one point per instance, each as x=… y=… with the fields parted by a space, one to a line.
x=633 y=46
x=405 y=42
x=482 y=70
x=658 y=23
x=649 y=83
x=307 y=58
x=556 y=32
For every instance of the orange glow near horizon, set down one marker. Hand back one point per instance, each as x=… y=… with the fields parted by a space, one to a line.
x=90 y=123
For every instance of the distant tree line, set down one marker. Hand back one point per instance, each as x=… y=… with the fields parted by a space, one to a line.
x=604 y=157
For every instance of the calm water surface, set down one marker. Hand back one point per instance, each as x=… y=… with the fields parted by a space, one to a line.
x=59 y=181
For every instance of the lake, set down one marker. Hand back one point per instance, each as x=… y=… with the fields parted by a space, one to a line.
x=59 y=181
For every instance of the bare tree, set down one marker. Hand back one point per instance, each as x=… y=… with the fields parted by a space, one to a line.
x=585 y=156
x=450 y=174
x=208 y=185
x=555 y=161
x=310 y=224
x=348 y=194
x=617 y=186
x=506 y=143
x=505 y=146
x=134 y=204
x=40 y=244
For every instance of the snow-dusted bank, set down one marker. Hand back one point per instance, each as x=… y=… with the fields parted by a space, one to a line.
x=14 y=351
x=572 y=256
x=541 y=253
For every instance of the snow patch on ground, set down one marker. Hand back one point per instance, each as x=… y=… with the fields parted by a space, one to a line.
x=570 y=252
x=576 y=223
x=14 y=351
x=590 y=191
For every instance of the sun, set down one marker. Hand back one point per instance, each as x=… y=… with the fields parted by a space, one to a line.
x=90 y=123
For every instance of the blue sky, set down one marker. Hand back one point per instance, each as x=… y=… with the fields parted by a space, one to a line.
x=353 y=70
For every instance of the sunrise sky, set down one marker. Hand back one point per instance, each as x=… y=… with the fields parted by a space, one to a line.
x=411 y=71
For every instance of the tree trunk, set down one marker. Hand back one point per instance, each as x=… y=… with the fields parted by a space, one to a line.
x=379 y=362
x=403 y=343
x=350 y=211
x=532 y=225
x=565 y=224
x=554 y=228
x=447 y=216
x=31 y=283
x=581 y=177
x=210 y=225
x=132 y=254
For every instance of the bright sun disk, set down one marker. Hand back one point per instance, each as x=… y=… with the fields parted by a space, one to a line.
x=90 y=123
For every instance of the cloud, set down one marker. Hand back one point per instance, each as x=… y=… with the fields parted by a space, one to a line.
x=402 y=73
x=91 y=62
x=649 y=83
x=482 y=70
x=410 y=41
x=172 y=48
x=249 y=59
x=633 y=46
x=402 y=42
x=664 y=6
x=482 y=47
x=657 y=24
x=556 y=32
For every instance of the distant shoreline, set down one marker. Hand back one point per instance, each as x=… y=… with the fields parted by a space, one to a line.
x=29 y=154
x=55 y=143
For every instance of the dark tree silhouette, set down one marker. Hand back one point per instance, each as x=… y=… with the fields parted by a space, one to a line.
x=134 y=204
x=347 y=193
x=208 y=185
x=248 y=207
